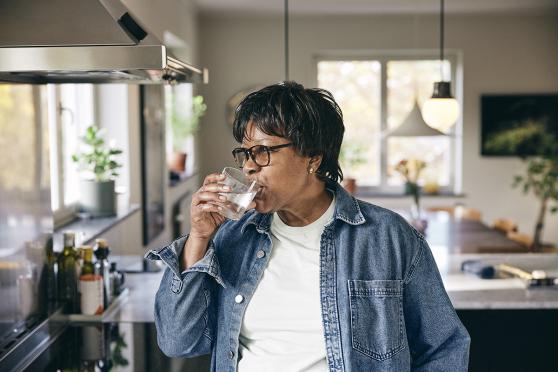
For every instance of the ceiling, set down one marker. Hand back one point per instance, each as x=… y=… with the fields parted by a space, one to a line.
x=350 y=7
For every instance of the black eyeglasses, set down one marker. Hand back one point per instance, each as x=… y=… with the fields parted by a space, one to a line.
x=259 y=154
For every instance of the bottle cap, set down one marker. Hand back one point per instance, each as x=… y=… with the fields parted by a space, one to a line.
x=101 y=243
x=69 y=239
x=101 y=249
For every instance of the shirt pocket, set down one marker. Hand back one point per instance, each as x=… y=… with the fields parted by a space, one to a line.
x=377 y=326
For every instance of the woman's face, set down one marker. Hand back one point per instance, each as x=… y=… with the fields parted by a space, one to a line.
x=285 y=180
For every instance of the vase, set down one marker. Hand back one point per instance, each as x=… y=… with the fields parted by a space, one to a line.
x=97 y=198
x=177 y=162
x=413 y=189
x=417 y=219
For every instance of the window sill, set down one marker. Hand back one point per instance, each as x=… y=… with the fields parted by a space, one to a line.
x=88 y=229
x=181 y=178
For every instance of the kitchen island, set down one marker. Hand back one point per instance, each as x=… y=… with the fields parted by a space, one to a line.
x=512 y=328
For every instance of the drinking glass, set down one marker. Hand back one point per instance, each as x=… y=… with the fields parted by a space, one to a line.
x=241 y=195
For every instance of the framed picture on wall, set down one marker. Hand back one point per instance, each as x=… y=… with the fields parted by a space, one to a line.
x=518 y=124
x=153 y=175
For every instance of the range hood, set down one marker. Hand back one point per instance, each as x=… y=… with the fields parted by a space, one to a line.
x=83 y=41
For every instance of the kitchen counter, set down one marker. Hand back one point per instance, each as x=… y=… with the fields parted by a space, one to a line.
x=487 y=307
x=138 y=305
x=468 y=292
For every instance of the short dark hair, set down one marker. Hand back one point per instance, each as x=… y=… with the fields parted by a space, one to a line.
x=309 y=118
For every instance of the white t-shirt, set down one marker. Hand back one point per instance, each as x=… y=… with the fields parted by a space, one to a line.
x=282 y=328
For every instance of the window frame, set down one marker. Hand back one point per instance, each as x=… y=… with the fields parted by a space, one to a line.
x=65 y=213
x=383 y=57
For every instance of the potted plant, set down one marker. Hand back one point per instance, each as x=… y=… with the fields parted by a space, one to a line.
x=542 y=179
x=541 y=176
x=183 y=126
x=351 y=156
x=97 y=162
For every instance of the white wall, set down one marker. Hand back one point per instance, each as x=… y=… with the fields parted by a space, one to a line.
x=501 y=54
x=180 y=18
x=177 y=16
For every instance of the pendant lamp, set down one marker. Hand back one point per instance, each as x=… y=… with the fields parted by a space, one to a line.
x=441 y=111
x=414 y=126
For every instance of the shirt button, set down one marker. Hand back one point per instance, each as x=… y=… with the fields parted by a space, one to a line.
x=231 y=355
x=260 y=254
x=238 y=299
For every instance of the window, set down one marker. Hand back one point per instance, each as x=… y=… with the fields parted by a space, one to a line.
x=23 y=138
x=376 y=94
x=178 y=104
x=70 y=111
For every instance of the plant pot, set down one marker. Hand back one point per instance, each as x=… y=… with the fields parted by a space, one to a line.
x=177 y=162
x=97 y=198
x=350 y=185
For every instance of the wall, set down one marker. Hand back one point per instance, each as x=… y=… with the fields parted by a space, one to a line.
x=501 y=54
x=180 y=18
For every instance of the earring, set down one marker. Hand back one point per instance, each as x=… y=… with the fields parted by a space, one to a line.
x=311 y=171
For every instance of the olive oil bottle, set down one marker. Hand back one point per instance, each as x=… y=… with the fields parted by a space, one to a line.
x=67 y=278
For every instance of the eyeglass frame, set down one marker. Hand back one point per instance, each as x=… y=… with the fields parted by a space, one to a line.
x=248 y=153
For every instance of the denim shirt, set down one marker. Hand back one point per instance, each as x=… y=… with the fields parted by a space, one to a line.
x=383 y=304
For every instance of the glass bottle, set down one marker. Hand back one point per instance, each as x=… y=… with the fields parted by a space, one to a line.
x=87 y=267
x=67 y=278
x=48 y=280
x=102 y=267
x=90 y=285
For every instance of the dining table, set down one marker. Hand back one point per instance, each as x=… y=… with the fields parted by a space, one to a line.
x=443 y=230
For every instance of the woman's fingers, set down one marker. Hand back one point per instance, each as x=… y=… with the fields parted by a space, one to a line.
x=215 y=187
x=201 y=197
x=210 y=207
x=213 y=178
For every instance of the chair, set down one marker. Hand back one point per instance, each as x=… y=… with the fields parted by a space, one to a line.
x=523 y=239
x=468 y=213
x=527 y=241
x=504 y=225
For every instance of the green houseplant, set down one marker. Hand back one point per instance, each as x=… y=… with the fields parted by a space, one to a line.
x=541 y=174
x=183 y=126
x=97 y=162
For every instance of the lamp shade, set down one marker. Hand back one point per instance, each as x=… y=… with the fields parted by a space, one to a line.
x=441 y=111
x=414 y=126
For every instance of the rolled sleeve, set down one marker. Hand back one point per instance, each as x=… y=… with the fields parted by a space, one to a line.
x=170 y=254
x=185 y=302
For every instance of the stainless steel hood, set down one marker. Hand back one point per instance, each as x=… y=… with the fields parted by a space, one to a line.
x=83 y=41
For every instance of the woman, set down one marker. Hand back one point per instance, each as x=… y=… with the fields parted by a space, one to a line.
x=311 y=279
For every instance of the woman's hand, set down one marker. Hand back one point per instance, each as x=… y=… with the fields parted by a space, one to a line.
x=205 y=207
x=205 y=218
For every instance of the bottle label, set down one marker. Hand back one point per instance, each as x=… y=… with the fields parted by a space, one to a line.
x=91 y=288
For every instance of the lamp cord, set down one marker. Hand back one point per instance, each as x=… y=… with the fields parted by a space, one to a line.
x=286 y=40
x=442 y=40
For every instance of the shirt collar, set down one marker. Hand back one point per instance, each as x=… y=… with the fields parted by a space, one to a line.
x=346 y=210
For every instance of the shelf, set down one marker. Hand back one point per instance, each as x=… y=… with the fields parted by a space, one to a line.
x=92 y=228
x=82 y=318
